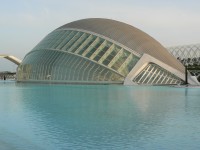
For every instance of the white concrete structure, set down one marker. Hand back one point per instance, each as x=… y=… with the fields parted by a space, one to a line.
x=11 y=58
x=100 y=51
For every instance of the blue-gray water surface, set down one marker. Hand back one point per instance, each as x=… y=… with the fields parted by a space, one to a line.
x=98 y=117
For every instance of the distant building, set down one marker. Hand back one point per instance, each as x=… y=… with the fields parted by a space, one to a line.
x=100 y=51
x=188 y=55
x=7 y=75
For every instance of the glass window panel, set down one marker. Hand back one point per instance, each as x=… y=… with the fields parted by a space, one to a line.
x=72 y=41
x=54 y=39
x=146 y=79
x=91 y=72
x=120 y=60
x=102 y=52
x=132 y=63
x=108 y=76
x=86 y=71
x=94 y=48
x=77 y=63
x=156 y=75
x=102 y=74
x=162 y=79
x=57 y=66
x=138 y=77
x=62 y=38
x=86 y=45
x=81 y=70
x=67 y=39
x=143 y=77
x=110 y=56
x=71 y=65
x=100 y=69
x=79 y=42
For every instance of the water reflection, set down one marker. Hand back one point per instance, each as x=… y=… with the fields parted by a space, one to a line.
x=95 y=115
x=99 y=117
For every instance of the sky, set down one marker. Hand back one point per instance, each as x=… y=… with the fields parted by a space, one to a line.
x=24 y=23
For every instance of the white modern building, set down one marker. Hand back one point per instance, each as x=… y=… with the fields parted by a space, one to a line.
x=101 y=51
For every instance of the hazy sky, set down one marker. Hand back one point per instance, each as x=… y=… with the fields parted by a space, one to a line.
x=23 y=23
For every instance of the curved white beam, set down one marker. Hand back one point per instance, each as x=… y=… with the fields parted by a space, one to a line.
x=11 y=58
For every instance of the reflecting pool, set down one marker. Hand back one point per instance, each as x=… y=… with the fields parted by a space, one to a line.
x=90 y=117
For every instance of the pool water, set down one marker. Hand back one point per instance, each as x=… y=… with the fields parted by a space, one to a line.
x=93 y=117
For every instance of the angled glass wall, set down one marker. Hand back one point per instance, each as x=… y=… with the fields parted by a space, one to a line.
x=153 y=74
x=91 y=47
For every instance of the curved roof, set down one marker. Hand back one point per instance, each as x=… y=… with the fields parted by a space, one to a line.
x=127 y=35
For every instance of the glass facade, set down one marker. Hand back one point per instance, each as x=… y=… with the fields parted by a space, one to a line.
x=153 y=74
x=76 y=56
x=93 y=54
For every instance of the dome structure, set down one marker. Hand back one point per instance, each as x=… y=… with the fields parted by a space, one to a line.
x=100 y=51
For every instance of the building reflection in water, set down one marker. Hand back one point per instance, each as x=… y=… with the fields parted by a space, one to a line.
x=103 y=115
